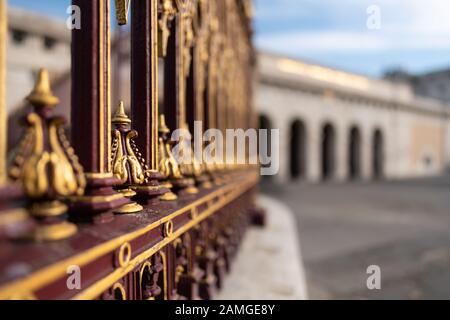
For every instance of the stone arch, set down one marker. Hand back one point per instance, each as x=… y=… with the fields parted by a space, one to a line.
x=328 y=151
x=354 y=153
x=298 y=149
x=378 y=157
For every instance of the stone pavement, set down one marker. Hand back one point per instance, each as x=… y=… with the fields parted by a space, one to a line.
x=403 y=227
x=268 y=265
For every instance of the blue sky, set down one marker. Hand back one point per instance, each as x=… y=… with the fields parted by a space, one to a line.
x=414 y=34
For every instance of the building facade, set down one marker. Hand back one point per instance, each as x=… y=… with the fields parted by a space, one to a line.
x=34 y=42
x=340 y=126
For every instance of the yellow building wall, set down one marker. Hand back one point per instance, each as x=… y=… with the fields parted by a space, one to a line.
x=427 y=143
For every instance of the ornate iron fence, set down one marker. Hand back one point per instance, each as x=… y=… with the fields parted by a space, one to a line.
x=109 y=213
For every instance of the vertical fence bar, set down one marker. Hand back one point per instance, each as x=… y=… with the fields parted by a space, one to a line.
x=88 y=88
x=3 y=37
x=144 y=77
x=173 y=76
x=192 y=87
x=91 y=104
x=144 y=92
x=195 y=81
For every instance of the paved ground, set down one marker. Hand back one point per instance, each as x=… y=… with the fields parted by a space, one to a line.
x=257 y=273
x=403 y=227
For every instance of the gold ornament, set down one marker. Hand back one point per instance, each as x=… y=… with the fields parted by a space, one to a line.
x=193 y=169
x=166 y=15
x=127 y=162
x=46 y=164
x=169 y=167
x=122 y=9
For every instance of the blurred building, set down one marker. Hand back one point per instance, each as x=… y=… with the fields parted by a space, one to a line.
x=336 y=125
x=34 y=42
x=433 y=84
x=333 y=125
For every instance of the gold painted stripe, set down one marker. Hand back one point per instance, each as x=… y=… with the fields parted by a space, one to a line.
x=98 y=175
x=108 y=89
x=96 y=199
x=180 y=21
x=3 y=123
x=51 y=273
x=101 y=86
x=154 y=161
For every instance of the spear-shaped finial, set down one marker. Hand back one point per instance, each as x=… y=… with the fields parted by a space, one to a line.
x=163 y=128
x=42 y=94
x=120 y=117
x=47 y=166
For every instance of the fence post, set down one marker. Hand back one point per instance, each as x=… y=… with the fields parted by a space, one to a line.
x=3 y=121
x=91 y=110
x=144 y=92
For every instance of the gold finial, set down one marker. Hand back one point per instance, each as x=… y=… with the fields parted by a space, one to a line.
x=42 y=94
x=163 y=128
x=46 y=166
x=120 y=117
x=167 y=5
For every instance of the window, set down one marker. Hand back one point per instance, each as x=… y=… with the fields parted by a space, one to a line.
x=18 y=36
x=49 y=43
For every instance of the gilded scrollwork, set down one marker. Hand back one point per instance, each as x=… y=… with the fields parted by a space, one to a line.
x=168 y=165
x=32 y=161
x=167 y=162
x=181 y=266
x=192 y=167
x=118 y=292
x=188 y=39
x=149 y=278
x=46 y=164
x=127 y=163
x=122 y=9
x=166 y=14
x=206 y=257
x=128 y=166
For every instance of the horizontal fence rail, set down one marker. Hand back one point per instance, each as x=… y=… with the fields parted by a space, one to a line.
x=108 y=211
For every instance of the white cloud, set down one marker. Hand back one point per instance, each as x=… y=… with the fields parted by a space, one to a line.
x=406 y=25
x=320 y=41
x=351 y=42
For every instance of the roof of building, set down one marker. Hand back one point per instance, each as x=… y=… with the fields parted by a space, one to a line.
x=38 y=24
x=275 y=68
